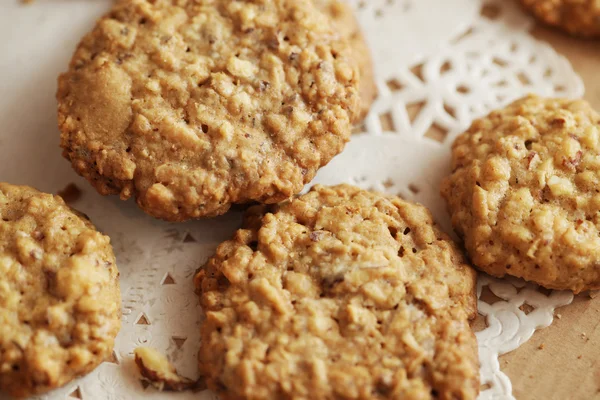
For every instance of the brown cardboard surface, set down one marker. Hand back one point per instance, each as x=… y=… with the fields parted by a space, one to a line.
x=562 y=362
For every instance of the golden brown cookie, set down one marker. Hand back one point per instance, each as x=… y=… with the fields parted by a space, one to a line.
x=59 y=293
x=345 y=22
x=524 y=192
x=576 y=17
x=194 y=106
x=339 y=294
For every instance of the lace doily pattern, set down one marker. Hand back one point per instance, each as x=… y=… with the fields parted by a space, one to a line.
x=403 y=32
x=439 y=65
x=514 y=310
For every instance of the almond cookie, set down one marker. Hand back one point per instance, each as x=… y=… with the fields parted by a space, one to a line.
x=345 y=22
x=338 y=294
x=576 y=17
x=192 y=106
x=524 y=192
x=59 y=293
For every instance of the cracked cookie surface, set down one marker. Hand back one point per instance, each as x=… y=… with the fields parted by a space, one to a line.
x=60 y=304
x=191 y=106
x=576 y=17
x=524 y=192
x=339 y=294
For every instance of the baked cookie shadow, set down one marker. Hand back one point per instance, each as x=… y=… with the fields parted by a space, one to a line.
x=30 y=138
x=35 y=158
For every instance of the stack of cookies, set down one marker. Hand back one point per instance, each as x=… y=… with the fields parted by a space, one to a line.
x=194 y=106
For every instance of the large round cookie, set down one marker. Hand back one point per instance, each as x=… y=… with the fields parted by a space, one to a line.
x=194 y=106
x=59 y=293
x=345 y=22
x=339 y=294
x=524 y=192
x=576 y=17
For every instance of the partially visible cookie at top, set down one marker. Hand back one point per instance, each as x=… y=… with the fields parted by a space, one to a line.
x=60 y=304
x=576 y=17
x=191 y=106
x=524 y=192
x=346 y=23
x=340 y=293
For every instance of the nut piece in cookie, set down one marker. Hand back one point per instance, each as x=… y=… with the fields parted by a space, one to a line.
x=157 y=370
x=576 y=17
x=192 y=106
x=60 y=304
x=347 y=25
x=523 y=193
x=339 y=294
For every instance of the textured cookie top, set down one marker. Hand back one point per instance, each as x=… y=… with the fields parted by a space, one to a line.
x=577 y=17
x=524 y=192
x=59 y=293
x=345 y=22
x=339 y=294
x=192 y=106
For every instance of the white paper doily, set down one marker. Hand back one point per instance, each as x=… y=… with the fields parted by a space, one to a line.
x=439 y=65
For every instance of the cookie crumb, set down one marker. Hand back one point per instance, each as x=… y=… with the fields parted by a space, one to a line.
x=70 y=194
x=542 y=346
x=559 y=316
x=160 y=373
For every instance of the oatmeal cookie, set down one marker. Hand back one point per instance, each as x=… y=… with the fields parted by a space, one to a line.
x=339 y=294
x=345 y=22
x=524 y=192
x=576 y=17
x=194 y=106
x=59 y=293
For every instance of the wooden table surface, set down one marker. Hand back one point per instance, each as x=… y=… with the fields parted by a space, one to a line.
x=562 y=362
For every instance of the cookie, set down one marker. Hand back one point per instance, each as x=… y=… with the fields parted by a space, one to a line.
x=524 y=195
x=347 y=25
x=59 y=293
x=576 y=17
x=191 y=106
x=338 y=294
